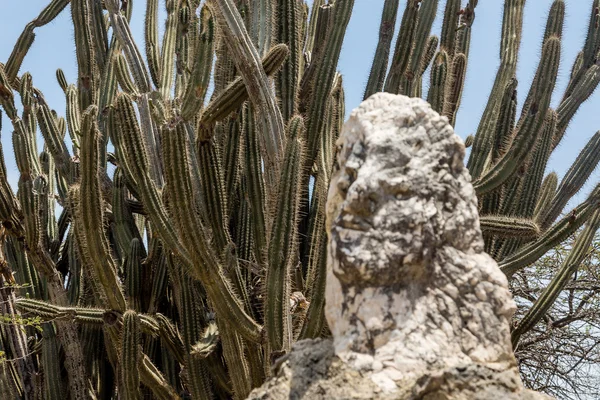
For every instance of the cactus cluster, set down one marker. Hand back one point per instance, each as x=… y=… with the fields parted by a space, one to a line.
x=187 y=260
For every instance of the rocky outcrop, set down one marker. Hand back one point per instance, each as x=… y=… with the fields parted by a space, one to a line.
x=417 y=309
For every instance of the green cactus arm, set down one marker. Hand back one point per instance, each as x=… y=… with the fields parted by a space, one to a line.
x=123 y=77
x=317 y=259
x=15 y=60
x=325 y=70
x=45 y=188
x=589 y=51
x=428 y=54
x=151 y=40
x=503 y=226
x=54 y=140
x=87 y=316
x=510 y=194
x=323 y=25
x=468 y=141
x=574 y=179
x=10 y=387
x=283 y=246
x=579 y=94
x=24 y=150
x=567 y=269
x=236 y=93
x=450 y=27
x=454 y=87
x=190 y=309
x=380 y=60
x=229 y=307
x=547 y=192
x=503 y=134
x=130 y=356
x=439 y=76
x=136 y=164
x=556 y=19
x=289 y=33
x=260 y=24
x=531 y=180
x=170 y=337
x=232 y=161
x=422 y=39
x=312 y=25
x=195 y=93
x=176 y=152
x=575 y=68
x=214 y=198
x=149 y=325
x=140 y=77
x=531 y=252
x=108 y=91
x=168 y=49
x=88 y=74
x=15 y=340
x=244 y=230
x=592 y=40
x=225 y=70
x=513 y=159
x=76 y=283
x=404 y=46
x=133 y=279
x=73 y=114
x=315 y=256
x=100 y=35
x=553 y=29
x=156 y=260
x=89 y=215
x=150 y=131
x=7 y=98
x=31 y=221
x=24 y=271
x=233 y=352
x=216 y=208
x=512 y=24
x=61 y=124
x=247 y=61
x=125 y=229
x=132 y=53
x=10 y=209
x=183 y=47
x=40 y=308
x=531 y=124
x=50 y=12
x=255 y=186
x=25 y=89
x=463 y=36
x=152 y=378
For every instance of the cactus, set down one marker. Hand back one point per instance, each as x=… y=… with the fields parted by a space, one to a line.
x=219 y=202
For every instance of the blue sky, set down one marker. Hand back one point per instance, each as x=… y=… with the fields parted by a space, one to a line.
x=54 y=48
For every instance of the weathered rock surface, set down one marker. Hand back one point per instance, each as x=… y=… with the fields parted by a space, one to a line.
x=416 y=308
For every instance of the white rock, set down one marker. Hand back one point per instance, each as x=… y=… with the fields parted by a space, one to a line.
x=406 y=251
x=416 y=308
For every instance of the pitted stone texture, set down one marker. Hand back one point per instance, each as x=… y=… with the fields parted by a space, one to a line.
x=311 y=371
x=413 y=302
x=409 y=287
